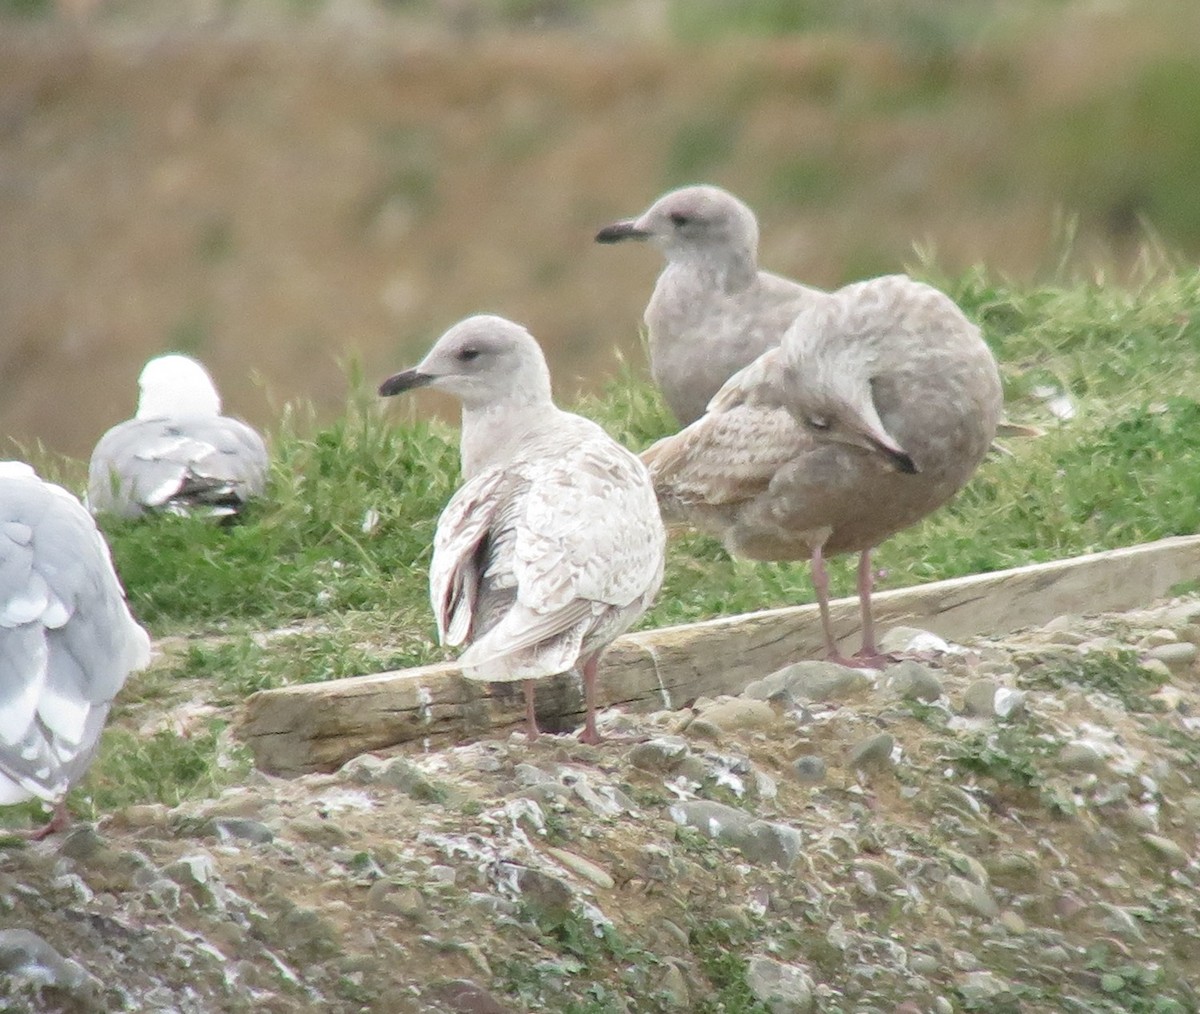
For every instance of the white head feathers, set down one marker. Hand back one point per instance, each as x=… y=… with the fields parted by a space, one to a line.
x=177 y=387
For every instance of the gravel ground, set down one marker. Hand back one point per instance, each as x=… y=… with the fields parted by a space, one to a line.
x=1007 y=825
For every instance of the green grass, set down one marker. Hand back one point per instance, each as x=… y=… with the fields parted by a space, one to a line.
x=353 y=596
x=720 y=948
x=1120 y=675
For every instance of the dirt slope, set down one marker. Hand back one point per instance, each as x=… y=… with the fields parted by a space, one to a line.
x=1012 y=826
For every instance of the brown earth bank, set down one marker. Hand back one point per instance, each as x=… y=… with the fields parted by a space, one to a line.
x=1009 y=825
x=283 y=198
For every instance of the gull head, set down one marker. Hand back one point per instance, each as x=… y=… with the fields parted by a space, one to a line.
x=482 y=360
x=834 y=401
x=699 y=220
x=176 y=387
x=857 y=425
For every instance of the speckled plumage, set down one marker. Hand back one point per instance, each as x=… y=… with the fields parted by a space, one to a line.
x=806 y=449
x=712 y=311
x=553 y=546
x=67 y=639
x=179 y=453
x=543 y=558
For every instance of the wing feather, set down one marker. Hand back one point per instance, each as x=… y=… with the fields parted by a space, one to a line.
x=64 y=661
x=591 y=530
x=145 y=464
x=454 y=572
x=730 y=454
x=530 y=559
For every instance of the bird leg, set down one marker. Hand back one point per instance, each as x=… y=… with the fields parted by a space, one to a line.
x=531 y=729
x=60 y=820
x=820 y=580
x=867 y=657
x=867 y=654
x=589 y=734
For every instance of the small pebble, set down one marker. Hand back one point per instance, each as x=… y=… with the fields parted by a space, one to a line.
x=809 y=768
x=980 y=699
x=971 y=896
x=1080 y=757
x=662 y=754
x=1177 y=657
x=874 y=751
x=1012 y=922
x=1166 y=850
x=1157 y=667
x=584 y=867
x=912 y=681
x=736 y=713
x=899 y=640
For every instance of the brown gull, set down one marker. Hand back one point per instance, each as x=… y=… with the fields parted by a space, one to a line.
x=876 y=409
x=67 y=640
x=553 y=545
x=178 y=454
x=713 y=311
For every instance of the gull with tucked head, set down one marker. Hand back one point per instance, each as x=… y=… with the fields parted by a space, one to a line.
x=712 y=311
x=876 y=409
x=67 y=640
x=553 y=545
x=178 y=454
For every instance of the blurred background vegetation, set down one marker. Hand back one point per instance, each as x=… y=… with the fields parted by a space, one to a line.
x=282 y=186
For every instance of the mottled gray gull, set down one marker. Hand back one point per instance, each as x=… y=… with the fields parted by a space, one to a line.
x=713 y=311
x=178 y=454
x=553 y=545
x=877 y=408
x=67 y=640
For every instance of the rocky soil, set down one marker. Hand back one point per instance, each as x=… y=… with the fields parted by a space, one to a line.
x=1009 y=825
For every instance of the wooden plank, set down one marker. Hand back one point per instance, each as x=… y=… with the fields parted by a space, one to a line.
x=319 y=726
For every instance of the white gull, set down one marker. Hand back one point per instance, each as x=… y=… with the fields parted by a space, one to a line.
x=553 y=545
x=67 y=640
x=178 y=454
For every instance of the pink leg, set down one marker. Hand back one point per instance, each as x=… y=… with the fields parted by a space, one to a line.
x=867 y=657
x=60 y=820
x=820 y=580
x=531 y=729
x=865 y=581
x=589 y=734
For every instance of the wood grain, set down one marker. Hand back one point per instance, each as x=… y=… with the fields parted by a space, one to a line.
x=319 y=726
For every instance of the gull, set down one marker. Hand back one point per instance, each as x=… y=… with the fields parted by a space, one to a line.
x=67 y=640
x=178 y=454
x=713 y=311
x=875 y=411
x=553 y=545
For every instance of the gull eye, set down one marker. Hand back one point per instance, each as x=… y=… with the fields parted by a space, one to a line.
x=467 y=354
x=678 y=219
x=816 y=422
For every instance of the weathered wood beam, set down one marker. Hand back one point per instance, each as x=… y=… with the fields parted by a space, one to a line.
x=319 y=726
